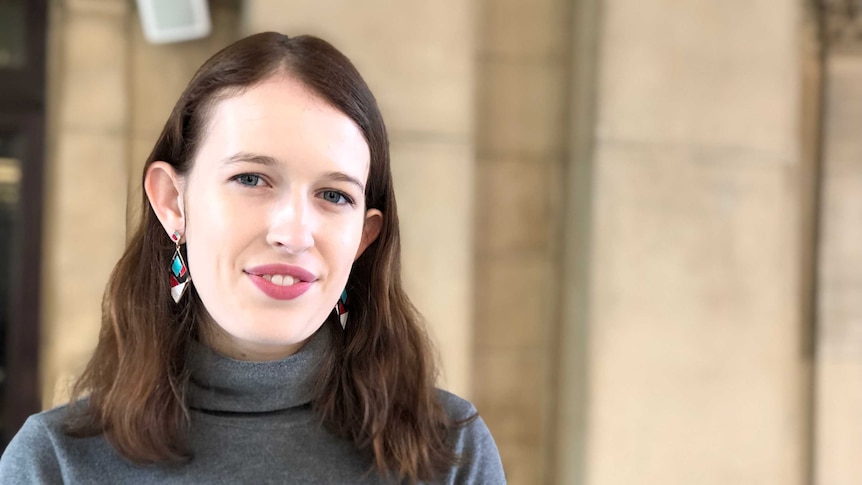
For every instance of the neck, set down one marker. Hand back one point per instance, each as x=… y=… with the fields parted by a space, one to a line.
x=224 y=384
x=216 y=338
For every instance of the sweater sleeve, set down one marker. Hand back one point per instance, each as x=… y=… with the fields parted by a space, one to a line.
x=30 y=456
x=479 y=458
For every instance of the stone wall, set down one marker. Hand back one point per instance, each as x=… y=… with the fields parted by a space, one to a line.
x=86 y=177
x=694 y=370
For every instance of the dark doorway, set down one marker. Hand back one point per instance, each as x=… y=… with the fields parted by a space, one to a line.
x=23 y=31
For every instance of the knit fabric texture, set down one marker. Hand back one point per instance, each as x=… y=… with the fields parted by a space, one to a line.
x=251 y=422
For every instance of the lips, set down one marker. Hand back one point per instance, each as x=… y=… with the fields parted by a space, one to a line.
x=281 y=281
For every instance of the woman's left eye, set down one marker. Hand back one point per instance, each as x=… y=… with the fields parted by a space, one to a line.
x=335 y=197
x=248 y=179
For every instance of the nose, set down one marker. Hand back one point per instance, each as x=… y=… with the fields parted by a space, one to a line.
x=290 y=227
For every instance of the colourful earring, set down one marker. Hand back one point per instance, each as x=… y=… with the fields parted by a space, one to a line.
x=180 y=277
x=341 y=309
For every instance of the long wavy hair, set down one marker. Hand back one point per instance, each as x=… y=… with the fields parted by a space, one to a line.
x=377 y=385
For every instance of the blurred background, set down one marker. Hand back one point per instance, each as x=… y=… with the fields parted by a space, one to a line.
x=634 y=226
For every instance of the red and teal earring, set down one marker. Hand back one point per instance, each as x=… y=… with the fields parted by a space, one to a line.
x=341 y=309
x=180 y=277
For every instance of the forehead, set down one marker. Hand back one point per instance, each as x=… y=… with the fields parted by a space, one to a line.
x=283 y=119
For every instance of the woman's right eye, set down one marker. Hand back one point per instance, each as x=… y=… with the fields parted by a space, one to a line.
x=248 y=179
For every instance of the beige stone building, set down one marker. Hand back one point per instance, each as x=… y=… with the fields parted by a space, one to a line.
x=634 y=227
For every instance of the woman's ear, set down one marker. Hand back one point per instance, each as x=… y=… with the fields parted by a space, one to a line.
x=370 y=230
x=164 y=189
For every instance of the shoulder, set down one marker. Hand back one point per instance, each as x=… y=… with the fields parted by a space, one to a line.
x=42 y=452
x=41 y=430
x=457 y=408
x=479 y=459
x=31 y=456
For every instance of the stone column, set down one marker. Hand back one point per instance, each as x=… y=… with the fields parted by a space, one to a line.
x=523 y=66
x=694 y=370
x=573 y=359
x=417 y=57
x=839 y=290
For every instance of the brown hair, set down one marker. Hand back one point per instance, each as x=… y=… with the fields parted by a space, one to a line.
x=376 y=386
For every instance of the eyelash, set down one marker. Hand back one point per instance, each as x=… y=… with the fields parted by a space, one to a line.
x=238 y=179
x=342 y=195
x=343 y=198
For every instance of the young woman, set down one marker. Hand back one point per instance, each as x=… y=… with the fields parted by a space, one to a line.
x=255 y=329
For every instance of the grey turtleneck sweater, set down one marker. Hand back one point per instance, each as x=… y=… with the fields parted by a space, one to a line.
x=251 y=422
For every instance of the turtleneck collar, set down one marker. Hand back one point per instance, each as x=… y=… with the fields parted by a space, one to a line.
x=222 y=384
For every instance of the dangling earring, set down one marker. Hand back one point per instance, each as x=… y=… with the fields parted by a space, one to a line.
x=341 y=309
x=180 y=277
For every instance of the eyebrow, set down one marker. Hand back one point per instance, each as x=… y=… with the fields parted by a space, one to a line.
x=249 y=157
x=343 y=177
x=271 y=162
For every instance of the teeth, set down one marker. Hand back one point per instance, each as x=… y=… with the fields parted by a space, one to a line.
x=280 y=280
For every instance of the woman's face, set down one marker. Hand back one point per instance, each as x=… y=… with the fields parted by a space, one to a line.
x=275 y=217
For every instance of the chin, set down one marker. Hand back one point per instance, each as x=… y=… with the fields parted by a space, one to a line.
x=281 y=335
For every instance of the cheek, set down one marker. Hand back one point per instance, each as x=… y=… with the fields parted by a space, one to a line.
x=209 y=213
x=349 y=239
x=213 y=217
x=340 y=243
x=221 y=209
